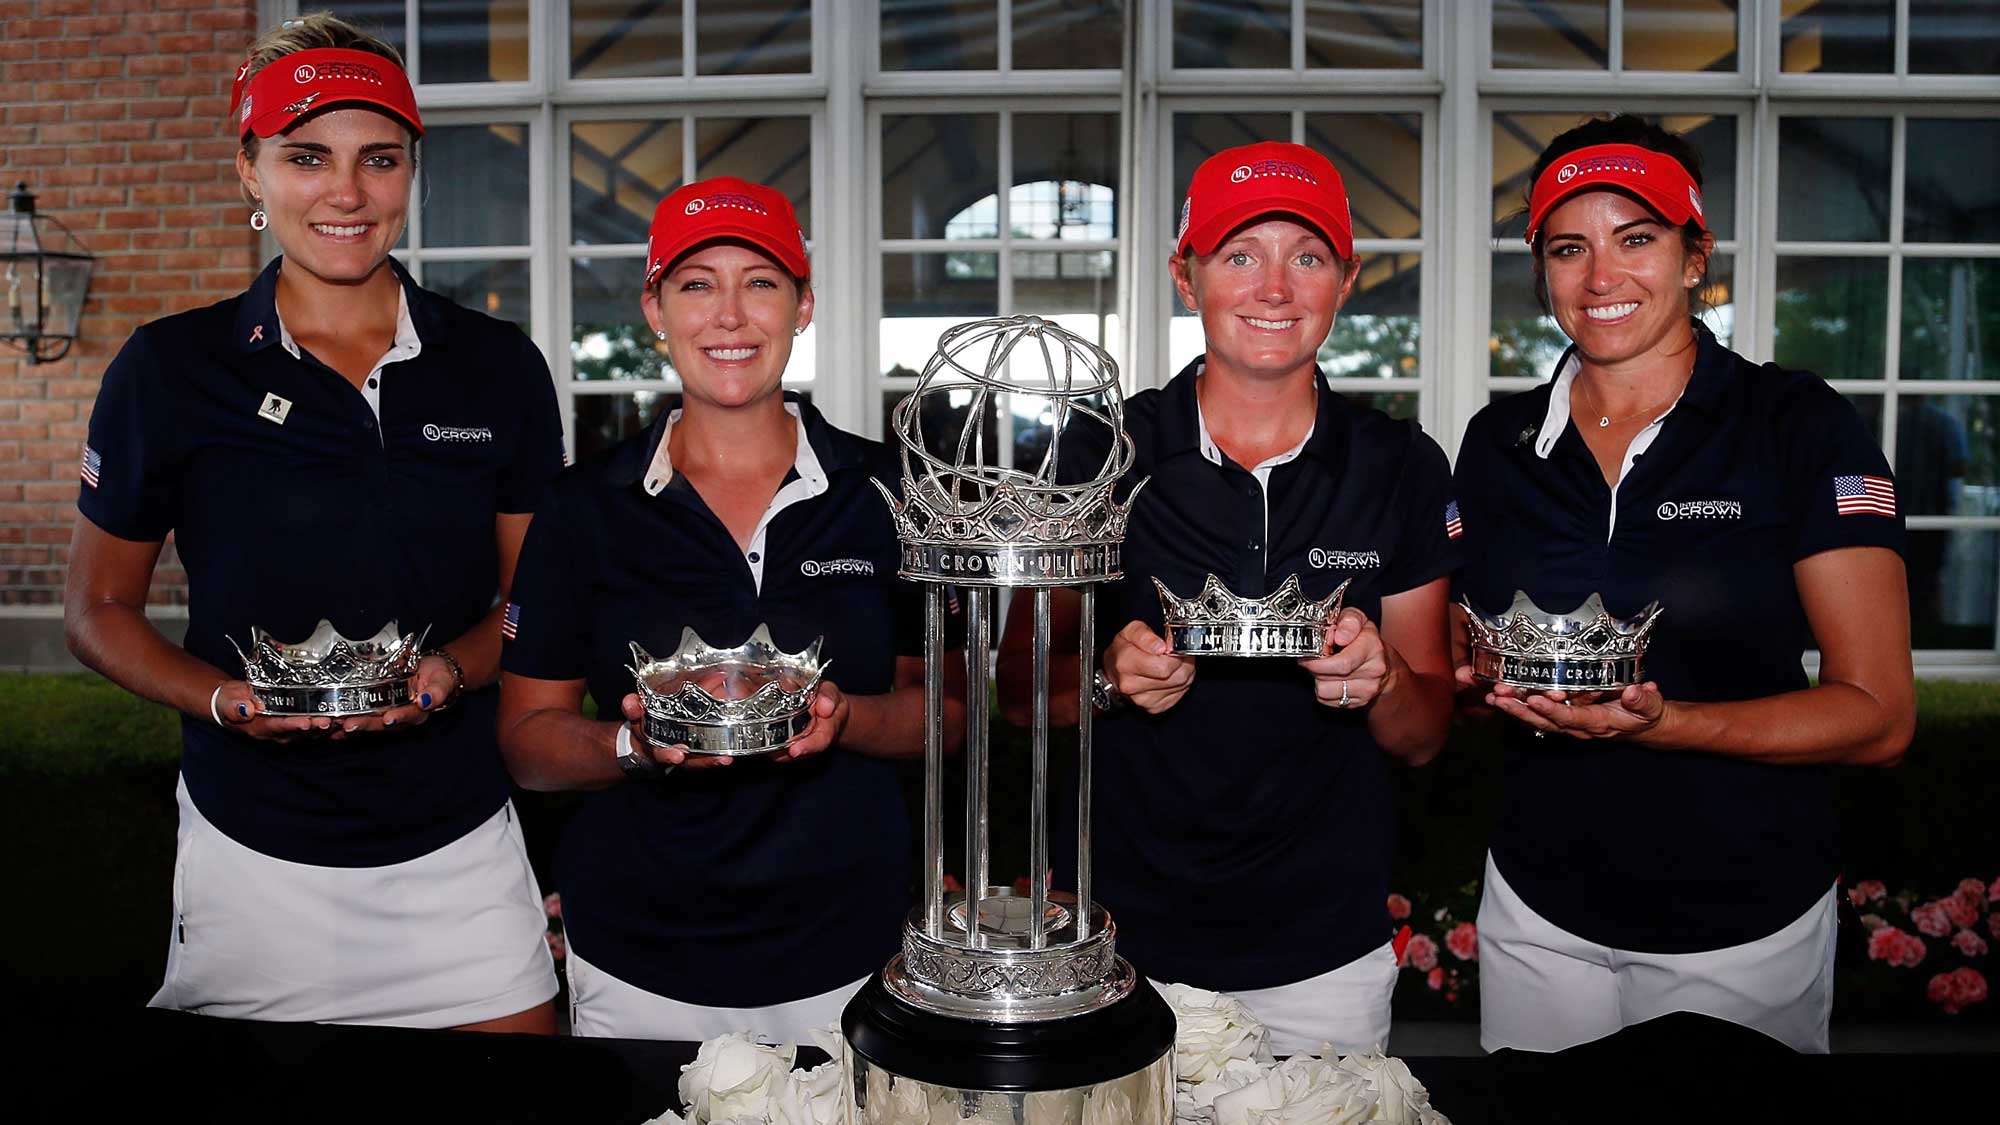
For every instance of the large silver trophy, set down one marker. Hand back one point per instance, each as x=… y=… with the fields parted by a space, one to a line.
x=1007 y=1007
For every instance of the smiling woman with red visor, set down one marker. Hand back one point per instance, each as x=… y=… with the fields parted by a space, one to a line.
x=334 y=444
x=1249 y=846
x=704 y=895
x=1670 y=847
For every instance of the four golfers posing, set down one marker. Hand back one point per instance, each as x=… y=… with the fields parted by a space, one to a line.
x=1661 y=848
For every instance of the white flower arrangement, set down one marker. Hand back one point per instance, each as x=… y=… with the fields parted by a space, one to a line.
x=1222 y=1059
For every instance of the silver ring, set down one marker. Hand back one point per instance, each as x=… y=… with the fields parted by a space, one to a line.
x=1541 y=733
x=1343 y=694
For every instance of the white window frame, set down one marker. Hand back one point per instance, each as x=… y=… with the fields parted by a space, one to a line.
x=1457 y=89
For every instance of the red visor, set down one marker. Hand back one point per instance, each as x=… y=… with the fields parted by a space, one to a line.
x=725 y=207
x=1270 y=177
x=290 y=87
x=1656 y=178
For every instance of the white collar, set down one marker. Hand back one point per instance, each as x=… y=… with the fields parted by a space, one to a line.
x=660 y=473
x=1557 y=416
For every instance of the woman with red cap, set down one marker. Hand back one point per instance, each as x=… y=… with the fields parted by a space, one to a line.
x=703 y=895
x=1228 y=772
x=1670 y=846
x=335 y=447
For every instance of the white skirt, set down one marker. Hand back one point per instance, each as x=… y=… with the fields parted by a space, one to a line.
x=449 y=938
x=604 y=1005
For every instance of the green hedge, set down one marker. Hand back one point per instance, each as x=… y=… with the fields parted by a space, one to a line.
x=87 y=808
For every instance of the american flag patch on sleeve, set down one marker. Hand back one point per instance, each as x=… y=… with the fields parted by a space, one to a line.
x=93 y=464
x=510 y=622
x=1864 y=496
x=1453 y=528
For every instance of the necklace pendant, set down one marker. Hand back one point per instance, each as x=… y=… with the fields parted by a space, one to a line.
x=1603 y=421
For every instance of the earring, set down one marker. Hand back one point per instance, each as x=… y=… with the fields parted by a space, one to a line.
x=661 y=335
x=258 y=220
x=798 y=330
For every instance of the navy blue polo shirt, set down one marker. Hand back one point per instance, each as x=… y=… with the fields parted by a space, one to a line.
x=290 y=500
x=766 y=881
x=1242 y=838
x=1663 y=851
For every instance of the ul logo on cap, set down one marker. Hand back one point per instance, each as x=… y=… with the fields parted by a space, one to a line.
x=1242 y=173
x=695 y=205
x=1567 y=174
x=305 y=73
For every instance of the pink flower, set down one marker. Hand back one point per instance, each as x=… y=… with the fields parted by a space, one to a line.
x=1960 y=910
x=1904 y=951
x=1969 y=943
x=1993 y=925
x=552 y=904
x=558 y=948
x=1972 y=891
x=1956 y=989
x=1931 y=919
x=1993 y=892
x=1463 y=941
x=1399 y=907
x=1866 y=891
x=1435 y=978
x=1873 y=922
x=1422 y=953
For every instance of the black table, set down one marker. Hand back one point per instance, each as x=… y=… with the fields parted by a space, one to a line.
x=144 y=1067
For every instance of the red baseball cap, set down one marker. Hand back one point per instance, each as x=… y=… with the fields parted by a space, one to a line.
x=289 y=87
x=1270 y=177
x=725 y=207
x=1656 y=178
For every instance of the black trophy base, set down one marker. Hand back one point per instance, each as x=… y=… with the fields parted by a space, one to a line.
x=965 y=1054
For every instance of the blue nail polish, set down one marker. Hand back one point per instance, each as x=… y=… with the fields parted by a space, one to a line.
x=424 y=701
x=243 y=709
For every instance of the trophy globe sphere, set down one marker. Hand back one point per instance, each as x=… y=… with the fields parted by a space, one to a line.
x=967 y=517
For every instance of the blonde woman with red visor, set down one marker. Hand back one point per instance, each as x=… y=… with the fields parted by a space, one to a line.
x=1670 y=847
x=334 y=444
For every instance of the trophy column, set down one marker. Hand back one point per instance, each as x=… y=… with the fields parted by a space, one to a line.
x=1002 y=1006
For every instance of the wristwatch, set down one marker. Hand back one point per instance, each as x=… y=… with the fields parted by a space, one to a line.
x=634 y=760
x=1104 y=695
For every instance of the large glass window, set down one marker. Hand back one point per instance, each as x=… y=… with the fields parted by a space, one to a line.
x=961 y=159
x=1895 y=298
x=1313 y=35
x=991 y=213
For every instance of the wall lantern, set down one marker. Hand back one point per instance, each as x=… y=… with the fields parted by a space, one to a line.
x=46 y=273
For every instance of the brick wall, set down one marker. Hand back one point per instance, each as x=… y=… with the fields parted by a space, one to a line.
x=114 y=113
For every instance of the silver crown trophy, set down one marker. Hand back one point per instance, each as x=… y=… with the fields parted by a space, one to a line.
x=1216 y=622
x=1004 y=1007
x=1586 y=649
x=329 y=674
x=728 y=702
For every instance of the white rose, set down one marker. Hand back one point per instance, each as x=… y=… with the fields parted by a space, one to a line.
x=1295 y=1095
x=809 y=1097
x=1211 y=1029
x=734 y=1076
x=1234 y=1075
x=667 y=1118
x=1403 y=1099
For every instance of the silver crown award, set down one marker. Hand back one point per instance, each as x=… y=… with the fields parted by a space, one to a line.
x=329 y=674
x=729 y=702
x=1006 y=1006
x=1216 y=622
x=1586 y=649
